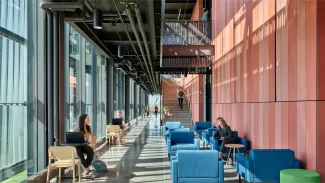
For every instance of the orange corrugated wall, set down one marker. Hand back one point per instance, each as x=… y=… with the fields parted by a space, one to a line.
x=265 y=79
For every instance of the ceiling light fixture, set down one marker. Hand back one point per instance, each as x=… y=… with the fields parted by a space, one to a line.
x=98 y=18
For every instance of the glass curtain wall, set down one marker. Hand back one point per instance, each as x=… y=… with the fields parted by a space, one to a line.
x=87 y=71
x=22 y=93
x=75 y=77
x=90 y=50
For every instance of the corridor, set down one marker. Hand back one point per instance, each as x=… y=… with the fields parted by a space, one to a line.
x=144 y=161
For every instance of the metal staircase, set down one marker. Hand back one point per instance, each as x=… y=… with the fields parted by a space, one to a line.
x=172 y=112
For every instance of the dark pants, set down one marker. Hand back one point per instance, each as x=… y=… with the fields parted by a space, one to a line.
x=180 y=102
x=81 y=150
x=227 y=140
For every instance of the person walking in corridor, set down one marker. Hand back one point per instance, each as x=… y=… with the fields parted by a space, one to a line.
x=156 y=110
x=204 y=21
x=180 y=95
x=148 y=110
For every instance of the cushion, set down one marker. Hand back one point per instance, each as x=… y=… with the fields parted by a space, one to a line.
x=196 y=180
x=270 y=158
x=181 y=137
x=183 y=147
x=195 y=164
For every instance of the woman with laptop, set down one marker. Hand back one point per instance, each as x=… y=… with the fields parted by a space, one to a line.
x=86 y=149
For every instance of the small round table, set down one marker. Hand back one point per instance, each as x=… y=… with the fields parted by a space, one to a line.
x=299 y=176
x=234 y=147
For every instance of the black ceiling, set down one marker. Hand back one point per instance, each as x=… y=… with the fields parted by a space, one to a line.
x=117 y=32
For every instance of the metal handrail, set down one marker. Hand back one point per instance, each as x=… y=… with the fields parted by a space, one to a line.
x=186 y=32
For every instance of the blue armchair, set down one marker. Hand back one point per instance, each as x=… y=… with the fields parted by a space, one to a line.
x=264 y=165
x=214 y=143
x=199 y=127
x=180 y=140
x=197 y=166
x=206 y=135
x=172 y=125
x=174 y=130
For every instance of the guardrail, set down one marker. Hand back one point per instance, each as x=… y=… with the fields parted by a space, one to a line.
x=184 y=32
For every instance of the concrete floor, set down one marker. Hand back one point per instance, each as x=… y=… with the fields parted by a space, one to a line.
x=144 y=161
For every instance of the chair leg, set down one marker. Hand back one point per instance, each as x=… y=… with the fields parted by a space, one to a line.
x=239 y=179
x=59 y=174
x=48 y=174
x=79 y=174
x=74 y=173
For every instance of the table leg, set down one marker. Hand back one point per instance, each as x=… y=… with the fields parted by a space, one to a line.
x=228 y=156
x=234 y=154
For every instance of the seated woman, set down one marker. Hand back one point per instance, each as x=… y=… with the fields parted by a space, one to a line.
x=124 y=125
x=224 y=134
x=85 y=149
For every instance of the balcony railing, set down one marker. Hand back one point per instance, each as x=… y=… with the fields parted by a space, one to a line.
x=186 y=62
x=183 y=32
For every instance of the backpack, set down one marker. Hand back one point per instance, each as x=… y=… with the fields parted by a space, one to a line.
x=180 y=94
x=99 y=166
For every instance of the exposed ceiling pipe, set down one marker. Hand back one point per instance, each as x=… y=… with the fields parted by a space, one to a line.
x=163 y=3
x=144 y=37
x=127 y=33
x=105 y=14
x=84 y=19
x=133 y=25
x=89 y=5
x=151 y=17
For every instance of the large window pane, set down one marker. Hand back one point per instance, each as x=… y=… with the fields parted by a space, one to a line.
x=75 y=74
x=21 y=98
x=89 y=81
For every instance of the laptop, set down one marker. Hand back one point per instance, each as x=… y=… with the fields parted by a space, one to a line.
x=75 y=137
x=117 y=121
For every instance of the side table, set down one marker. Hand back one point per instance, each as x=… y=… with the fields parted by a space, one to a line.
x=233 y=147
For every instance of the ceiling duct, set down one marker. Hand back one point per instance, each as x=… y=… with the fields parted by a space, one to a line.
x=144 y=37
x=133 y=25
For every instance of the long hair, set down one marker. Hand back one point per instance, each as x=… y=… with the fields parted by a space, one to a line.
x=82 y=119
x=223 y=121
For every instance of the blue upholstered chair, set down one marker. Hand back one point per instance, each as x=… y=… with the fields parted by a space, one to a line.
x=181 y=140
x=200 y=126
x=215 y=144
x=172 y=125
x=174 y=130
x=264 y=165
x=197 y=166
x=206 y=135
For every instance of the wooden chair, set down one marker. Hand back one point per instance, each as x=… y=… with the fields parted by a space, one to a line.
x=65 y=157
x=113 y=131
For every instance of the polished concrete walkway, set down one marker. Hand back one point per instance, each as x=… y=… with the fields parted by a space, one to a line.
x=144 y=160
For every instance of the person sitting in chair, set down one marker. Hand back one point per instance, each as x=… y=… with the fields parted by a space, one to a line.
x=86 y=149
x=124 y=125
x=224 y=134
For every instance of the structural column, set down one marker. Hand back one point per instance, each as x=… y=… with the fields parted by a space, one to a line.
x=62 y=78
x=110 y=91
x=95 y=89
x=127 y=97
